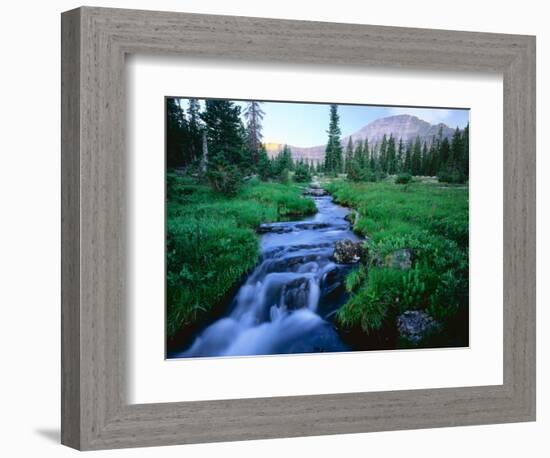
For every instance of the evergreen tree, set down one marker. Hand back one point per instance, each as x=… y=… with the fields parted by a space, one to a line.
x=373 y=158
x=416 y=160
x=333 y=151
x=302 y=173
x=264 y=164
x=349 y=155
x=465 y=157
x=282 y=163
x=443 y=153
x=311 y=166
x=364 y=157
x=407 y=164
x=400 y=156
x=195 y=130
x=391 y=162
x=456 y=151
x=176 y=134
x=254 y=116
x=382 y=154
x=432 y=161
x=424 y=160
x=224 y=132
x=288 y=163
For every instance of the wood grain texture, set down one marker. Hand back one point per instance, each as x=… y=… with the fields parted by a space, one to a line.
x=70 y=229
x=96 y=414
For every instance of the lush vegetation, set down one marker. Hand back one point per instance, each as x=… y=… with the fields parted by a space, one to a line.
x=438 y=157
x=211 y=240
x=221 y=185
x=427 y=220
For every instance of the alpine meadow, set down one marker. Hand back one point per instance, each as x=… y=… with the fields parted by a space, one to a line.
x=308 y=227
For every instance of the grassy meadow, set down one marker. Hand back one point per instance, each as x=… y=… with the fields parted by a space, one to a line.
x=429 y=222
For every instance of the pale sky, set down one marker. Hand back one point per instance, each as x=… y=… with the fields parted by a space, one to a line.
x=305 y=124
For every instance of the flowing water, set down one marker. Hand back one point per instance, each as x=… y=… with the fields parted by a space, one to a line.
x=287 y=303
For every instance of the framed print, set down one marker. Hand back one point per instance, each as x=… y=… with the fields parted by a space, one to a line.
x=281 y=228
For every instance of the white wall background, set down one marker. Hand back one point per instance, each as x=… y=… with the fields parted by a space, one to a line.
x=29 y=229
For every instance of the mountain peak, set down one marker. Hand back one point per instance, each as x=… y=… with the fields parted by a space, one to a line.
x=404 y=126
x=401 y=126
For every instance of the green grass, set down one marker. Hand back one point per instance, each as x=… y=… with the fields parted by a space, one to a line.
x=211 y=240
x=429 y=219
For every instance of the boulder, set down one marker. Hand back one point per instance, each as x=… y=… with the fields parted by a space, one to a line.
x=400 y=259
x=348 y=252
x=414 y=325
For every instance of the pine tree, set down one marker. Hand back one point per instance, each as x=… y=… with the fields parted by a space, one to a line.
x=382 y=154
x=333 y=151
x=407 y=164
x=176 y=134
x=465 y=157
x=264 y=164
x=283 y=161
x=224 y=132
x=416 y=160
x=358 y=151
x=443 y=153
x=195 y=130
x=391 y=164
x=254 y=116
x=373 y=158
x=400 y=156
x=432 y=161
x=349 y=155
x=424 y=160
x=364 y=158
x=456 y=151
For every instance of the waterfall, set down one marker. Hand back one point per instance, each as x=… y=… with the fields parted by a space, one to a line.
x=284 y=305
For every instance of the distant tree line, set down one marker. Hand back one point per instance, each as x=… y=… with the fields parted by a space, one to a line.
x=363 y=162
x=216 y=145
x=447 y=160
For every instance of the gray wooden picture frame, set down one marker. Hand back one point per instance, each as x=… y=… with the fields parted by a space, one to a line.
x=95 y=412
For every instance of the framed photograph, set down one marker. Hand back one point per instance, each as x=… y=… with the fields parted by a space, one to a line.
x=278 y=228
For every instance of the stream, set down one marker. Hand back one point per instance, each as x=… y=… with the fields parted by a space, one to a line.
x=288 y=302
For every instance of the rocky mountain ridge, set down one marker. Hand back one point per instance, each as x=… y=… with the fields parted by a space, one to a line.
x=404 y=126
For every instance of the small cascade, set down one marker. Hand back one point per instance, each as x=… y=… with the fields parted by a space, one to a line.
x=286 y=303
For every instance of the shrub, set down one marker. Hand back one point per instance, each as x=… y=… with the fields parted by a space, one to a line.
x=284 y=176
x=452 y=176
x=357 y=173
x=224 y=178
x=403 y=178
